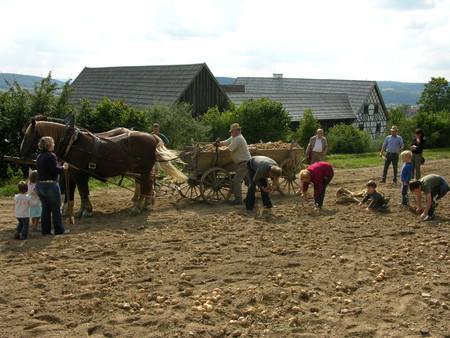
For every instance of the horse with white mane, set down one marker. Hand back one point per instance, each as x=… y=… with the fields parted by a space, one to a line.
x=103 y=155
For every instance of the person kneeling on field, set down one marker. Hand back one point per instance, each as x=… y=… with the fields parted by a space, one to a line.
x=378 y=200
x=320 y=175
x=432 y=186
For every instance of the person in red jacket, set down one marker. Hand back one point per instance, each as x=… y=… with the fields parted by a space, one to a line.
x=320 y=174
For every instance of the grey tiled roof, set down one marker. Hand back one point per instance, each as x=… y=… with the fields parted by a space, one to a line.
x=357 y=91
x=325 y=106
x=136 y=85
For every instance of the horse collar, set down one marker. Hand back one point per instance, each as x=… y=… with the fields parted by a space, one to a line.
x=66 y=141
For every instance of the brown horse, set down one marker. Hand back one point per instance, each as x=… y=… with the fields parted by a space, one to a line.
x=102 y=157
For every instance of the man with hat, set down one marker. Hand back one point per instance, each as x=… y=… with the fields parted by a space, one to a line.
x=237 y=145
x=393 y=144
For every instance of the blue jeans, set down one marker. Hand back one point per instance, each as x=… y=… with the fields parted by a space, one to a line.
x=404 y=194
x=50 y=196
x=22 y=227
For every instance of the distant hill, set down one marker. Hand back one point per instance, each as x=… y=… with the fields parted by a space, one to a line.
x=25 y=81
x=400 y=92
x=393 y=92
x=225 y=80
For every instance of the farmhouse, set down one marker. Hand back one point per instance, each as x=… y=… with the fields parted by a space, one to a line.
x=143 y=86
x=331 y=101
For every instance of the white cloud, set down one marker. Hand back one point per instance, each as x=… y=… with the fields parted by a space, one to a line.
x=348 y=39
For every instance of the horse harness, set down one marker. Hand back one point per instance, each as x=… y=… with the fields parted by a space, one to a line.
x=70 y=136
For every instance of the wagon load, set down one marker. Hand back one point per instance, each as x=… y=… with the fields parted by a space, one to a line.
x=210 y=169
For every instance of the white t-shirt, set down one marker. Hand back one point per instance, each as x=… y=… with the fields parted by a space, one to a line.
x=22 y=203
x=238 y=148
x=318 y=146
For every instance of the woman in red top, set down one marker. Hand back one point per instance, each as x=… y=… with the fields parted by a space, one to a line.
x=319 y=174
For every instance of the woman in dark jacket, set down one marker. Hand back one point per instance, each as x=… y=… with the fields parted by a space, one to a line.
x=417 y=148
x=47 y=187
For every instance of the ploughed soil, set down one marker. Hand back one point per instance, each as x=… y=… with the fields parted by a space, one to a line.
x=191 y=269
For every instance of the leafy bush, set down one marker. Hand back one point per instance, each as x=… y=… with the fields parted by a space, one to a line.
x=347 y=139
x=107 y=115
x=219 y=122
x=17 y=105
x=261 y=119
x=264 y=120
x=306 y=129
x=177 y=123
x=436 y=127
x=406 y=129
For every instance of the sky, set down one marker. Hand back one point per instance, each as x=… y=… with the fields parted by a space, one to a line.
x=382 y=40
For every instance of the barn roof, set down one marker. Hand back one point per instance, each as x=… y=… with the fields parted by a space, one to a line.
x=137 y=85
x=325 y=106
x=356 y=90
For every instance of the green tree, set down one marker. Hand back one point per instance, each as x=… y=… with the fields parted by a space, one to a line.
x=436 y=127
x=436 y=96
x=18 y=104
x=396 y=116
x=177 y=123
x=404 y=107
x=347 y=139
x=306 y=129
x=219 y=122
x=107 y=115
x=264 y=120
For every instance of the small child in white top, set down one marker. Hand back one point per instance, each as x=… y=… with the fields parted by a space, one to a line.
x=35 y=210
x=22 y=203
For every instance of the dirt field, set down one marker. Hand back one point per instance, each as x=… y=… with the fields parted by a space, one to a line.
x=190 y=269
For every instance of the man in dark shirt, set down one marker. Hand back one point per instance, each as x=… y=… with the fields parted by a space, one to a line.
x=259 y=169
x=432 y=186
x=160 y=135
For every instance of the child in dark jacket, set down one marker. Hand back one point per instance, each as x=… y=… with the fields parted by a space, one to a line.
x=378 y=200
x=406 y=175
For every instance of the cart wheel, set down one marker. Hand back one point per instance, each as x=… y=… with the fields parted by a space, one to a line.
x=290 y=184
x=215 y=185
x=189 y=189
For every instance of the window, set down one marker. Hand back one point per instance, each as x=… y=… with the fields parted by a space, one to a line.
x=378 y=127
x=361 y=126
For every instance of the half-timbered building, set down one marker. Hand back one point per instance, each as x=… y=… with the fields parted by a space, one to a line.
x=332 y=101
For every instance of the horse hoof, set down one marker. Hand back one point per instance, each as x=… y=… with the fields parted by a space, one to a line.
x=134 y=212
x=87 y=214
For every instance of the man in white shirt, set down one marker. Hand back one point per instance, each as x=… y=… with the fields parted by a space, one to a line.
x=317 y=147
x=240 y=154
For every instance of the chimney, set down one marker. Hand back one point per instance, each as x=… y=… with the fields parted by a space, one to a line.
x=277 y=75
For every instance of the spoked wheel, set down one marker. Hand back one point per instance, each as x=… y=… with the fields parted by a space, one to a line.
x=290 y=184
x=215 y=185
x=189 y=189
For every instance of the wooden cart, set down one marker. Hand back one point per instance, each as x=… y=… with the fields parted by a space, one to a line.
x=211 y=173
